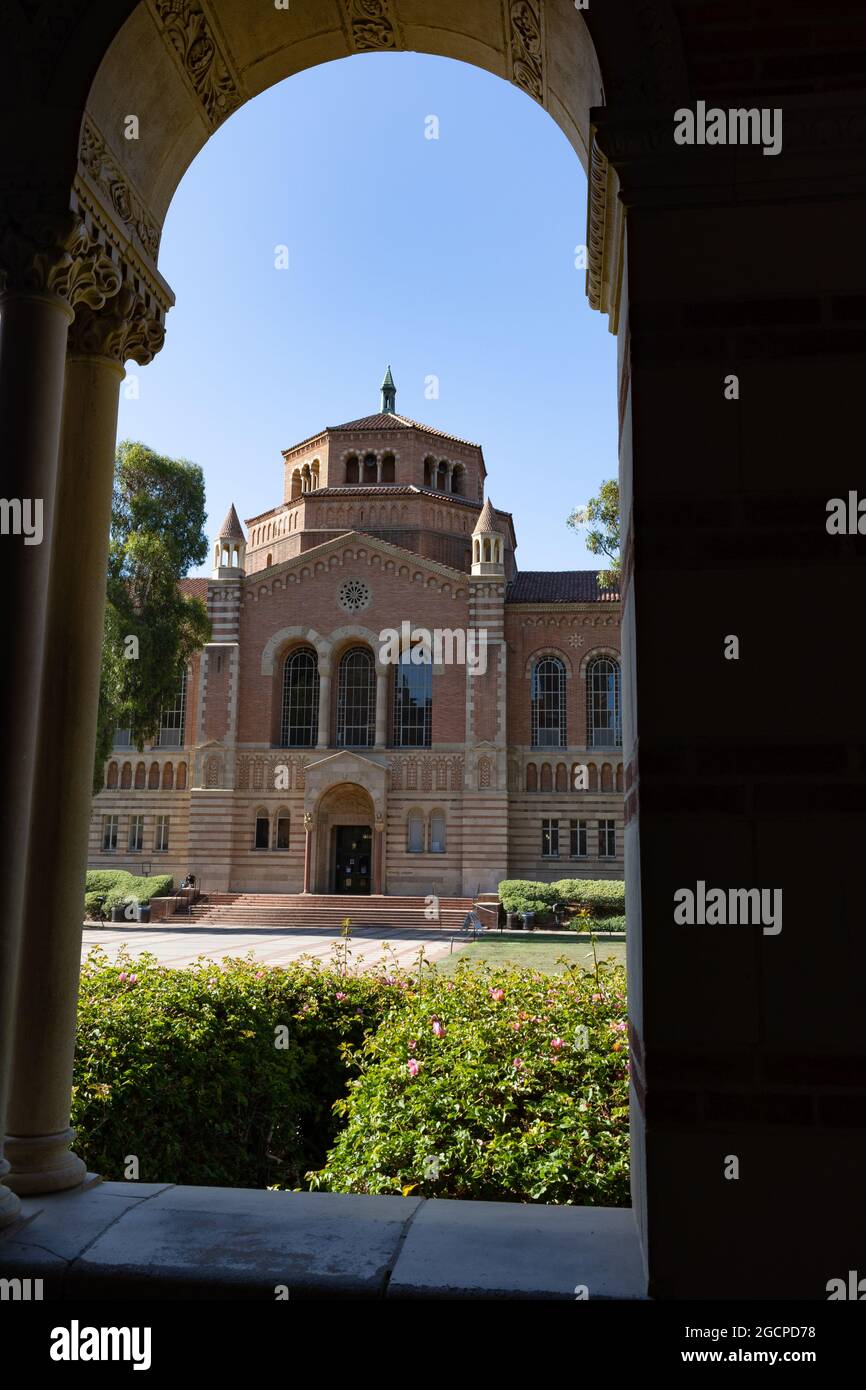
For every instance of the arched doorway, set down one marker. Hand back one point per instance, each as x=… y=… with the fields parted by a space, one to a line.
x=345 y=821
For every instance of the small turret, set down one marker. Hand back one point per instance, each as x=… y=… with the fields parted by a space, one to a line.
x=230 y=548
x=389 y=394
x=488 y=557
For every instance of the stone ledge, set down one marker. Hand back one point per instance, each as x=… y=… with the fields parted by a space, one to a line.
x=150 y=1241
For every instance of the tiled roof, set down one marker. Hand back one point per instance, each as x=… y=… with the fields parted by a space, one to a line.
x=195 y=588
x=397 y=422
x=231 y=528
x=558 y=586
x=487 y=520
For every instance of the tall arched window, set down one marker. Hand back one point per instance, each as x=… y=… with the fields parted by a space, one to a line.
x=413 y=704
x=300 y=718
x=548 y=703
x=415 y=832
x=352 y=469
x=603 y=710
x=356 y=699
x=437 y=832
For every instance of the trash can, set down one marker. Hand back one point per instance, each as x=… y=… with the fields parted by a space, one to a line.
x=118 y=913
x=529 y=921
x=144 y=912
x=513 y=922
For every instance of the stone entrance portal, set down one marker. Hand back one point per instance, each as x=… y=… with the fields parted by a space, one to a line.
x=345 y=791
x=352 y=858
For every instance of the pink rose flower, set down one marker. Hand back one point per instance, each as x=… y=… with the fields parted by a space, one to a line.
x=340 y=995
x=497 y=995
x=438 y=1028
x=517 y=1064
x=414 y=1066
x=413 y=1044
x=557 y=1043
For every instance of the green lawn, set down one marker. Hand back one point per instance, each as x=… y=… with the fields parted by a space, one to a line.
x=537 y=954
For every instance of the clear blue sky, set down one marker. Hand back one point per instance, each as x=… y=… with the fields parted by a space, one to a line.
x=452 y=257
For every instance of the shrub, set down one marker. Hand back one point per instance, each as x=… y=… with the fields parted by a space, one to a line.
x=94 y=906
x=180 y=1067
x=525 y=895
x=602 y=897
x=478 y=1087
x=118 y=886
x=590 y=924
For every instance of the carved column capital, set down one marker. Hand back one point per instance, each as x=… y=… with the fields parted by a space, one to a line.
x=130 y=327
x=57 y=254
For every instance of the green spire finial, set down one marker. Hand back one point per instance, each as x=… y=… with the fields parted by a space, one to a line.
x=389 y=394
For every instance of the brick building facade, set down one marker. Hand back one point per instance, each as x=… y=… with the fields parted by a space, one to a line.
x=387 y=704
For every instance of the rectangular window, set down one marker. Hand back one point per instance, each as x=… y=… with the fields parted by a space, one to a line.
x=416 y=834
x=160 y=841
x=123 y=738
x=171 y=722
x=413 y=704
x=282 y=833
x=577 y=838
x=262 y=832
x=109 y=834
x=607 y=839
x=136 y=834
x=550 y=839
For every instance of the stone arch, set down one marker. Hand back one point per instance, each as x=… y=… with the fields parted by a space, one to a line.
x=111 y=776
x=541 y=652
x=168 y=777
x=180 y=784
x=531 y=777
x=593 y=654
x=153 y=777
x=126 y=776
x=606 y=777
x=140 y=776
x=281 y=639
x=561 y=781
x=593 y=777
x=546 y=778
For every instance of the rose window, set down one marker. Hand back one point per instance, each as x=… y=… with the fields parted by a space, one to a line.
x=353 y=595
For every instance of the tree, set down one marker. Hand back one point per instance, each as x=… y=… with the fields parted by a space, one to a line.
x=152 y=628
x=601 y=513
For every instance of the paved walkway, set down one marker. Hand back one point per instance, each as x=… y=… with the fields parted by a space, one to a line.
x=182 y=945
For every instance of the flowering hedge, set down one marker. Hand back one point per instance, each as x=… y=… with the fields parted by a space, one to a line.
x=503 y=1084
x=181 y=1068
x=486 y=1086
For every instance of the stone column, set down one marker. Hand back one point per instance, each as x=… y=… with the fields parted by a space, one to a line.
x=47 y=265
x=309 y=848
x=38 y=1133
x=323 y=738
x=381 y=705
x=378 y=852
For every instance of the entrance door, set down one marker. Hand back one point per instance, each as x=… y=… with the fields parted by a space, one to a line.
x=353 y=858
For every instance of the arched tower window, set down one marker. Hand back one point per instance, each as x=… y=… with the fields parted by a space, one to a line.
x=352 y=469
x=458 y=479
x=370 y=469
x=548 y=703
x=300 y=714
x=388 y=466
x=603 y=709
x=356 y=699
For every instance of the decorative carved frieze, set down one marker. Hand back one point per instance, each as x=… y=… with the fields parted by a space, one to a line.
x=527 y=49
x=101 y=166
x=58 y=254
x=188 y=30
x=370 y=25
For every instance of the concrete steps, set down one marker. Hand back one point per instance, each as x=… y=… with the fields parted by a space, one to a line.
x=324 y=912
